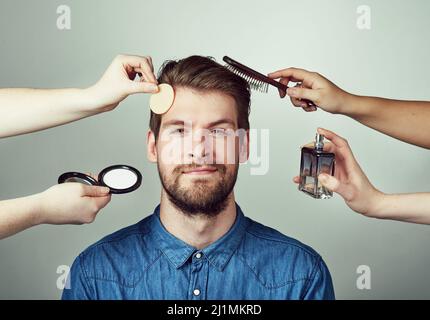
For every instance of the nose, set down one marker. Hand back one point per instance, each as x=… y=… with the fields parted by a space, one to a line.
x=201 y=148
x=199 y=155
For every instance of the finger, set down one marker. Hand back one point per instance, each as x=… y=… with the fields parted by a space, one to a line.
x=333 y=137
x=150 y=63
x=286 y=81
x=94 y=191
x=138 y=64
x=298 y=74
x=147 y=69
x=298 y=103
x=142 y=87
x=131 y=73
x=101 y=202
x=290 y=79
x=144 y=75
x=329 y=147
x=329 y=182
x=131 y=60
x=296 y=179
x=342 y=149
x=308 y=108
x=335 y=185
x=306 y=104
x=304 y=94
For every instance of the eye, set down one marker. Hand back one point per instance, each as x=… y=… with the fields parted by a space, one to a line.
x=178 y=131
x=219 y=132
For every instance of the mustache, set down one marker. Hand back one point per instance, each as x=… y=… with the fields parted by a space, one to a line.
x=179 y=169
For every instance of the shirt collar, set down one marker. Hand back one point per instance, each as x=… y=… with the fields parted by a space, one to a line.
x=218 y=253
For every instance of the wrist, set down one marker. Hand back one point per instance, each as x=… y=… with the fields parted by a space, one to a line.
x=345 y=103
x=377 y=203
x=36 y=210
x=354 y=106
x=91 y=103
x=97 y=100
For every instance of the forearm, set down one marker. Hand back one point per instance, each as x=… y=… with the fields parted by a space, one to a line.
x=408 y=121
x=27 y=110
x=410 y=207
x=18 y=214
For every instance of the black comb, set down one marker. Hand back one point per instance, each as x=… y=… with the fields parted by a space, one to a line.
x=256 y=80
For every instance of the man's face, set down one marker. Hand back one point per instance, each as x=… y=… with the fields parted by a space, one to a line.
x=198 y=151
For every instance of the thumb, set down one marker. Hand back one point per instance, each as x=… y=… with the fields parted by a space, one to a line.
x=101 y=202
x=142 y=87
x=94 y=191
x=304 y=93
x=334 y=185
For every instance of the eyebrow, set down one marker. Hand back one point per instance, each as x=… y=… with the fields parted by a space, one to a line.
x=177 y=122
x=173 y=123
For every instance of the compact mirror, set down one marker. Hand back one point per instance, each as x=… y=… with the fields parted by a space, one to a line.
x=118 y=178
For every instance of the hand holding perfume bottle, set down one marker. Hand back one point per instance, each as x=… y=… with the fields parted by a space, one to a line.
x=319 y=178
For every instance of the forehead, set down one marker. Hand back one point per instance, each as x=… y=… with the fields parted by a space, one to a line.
x=200 y=107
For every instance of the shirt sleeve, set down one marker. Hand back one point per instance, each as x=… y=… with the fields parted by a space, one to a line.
x=320 y=286
x=78 y=287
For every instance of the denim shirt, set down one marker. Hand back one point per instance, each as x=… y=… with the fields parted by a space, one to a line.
x=250 y=261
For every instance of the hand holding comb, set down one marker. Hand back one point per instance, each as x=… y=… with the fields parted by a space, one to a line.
x=256 y=80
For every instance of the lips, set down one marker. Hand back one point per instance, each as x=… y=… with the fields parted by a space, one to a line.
x=200 y=170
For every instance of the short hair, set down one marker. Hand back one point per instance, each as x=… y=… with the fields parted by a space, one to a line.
x=204 y=74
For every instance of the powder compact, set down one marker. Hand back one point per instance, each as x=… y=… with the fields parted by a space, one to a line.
x=118 y=178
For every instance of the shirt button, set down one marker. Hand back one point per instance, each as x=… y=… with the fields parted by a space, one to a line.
x=198 y=255
x=196 y=292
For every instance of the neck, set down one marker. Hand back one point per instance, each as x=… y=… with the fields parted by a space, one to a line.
x=198 y=231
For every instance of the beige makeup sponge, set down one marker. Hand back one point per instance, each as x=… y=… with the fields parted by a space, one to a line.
x=161 y=101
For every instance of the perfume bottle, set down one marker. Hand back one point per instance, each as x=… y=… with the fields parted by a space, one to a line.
x=315 y=161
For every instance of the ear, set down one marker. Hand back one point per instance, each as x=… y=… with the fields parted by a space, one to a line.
x=244 y=148
x=151 y=147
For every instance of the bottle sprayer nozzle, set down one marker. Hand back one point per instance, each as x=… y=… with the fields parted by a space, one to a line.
x=319 y=141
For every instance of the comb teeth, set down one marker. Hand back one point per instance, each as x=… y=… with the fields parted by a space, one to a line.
x=254 y=83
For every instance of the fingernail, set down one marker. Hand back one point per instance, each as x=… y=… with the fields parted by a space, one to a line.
x=154 y=87
x=105 y=190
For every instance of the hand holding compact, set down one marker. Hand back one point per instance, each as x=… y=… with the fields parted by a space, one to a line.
x=118 y=178
x=70 y=203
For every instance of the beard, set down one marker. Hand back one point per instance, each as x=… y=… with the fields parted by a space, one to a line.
x=203 y=197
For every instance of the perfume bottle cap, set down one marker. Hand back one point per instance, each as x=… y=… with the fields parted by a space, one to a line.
x=319 y=141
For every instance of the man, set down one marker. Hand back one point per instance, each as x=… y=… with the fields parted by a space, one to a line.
x=198 y=244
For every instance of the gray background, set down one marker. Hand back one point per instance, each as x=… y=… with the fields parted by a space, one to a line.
x=390 y=60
